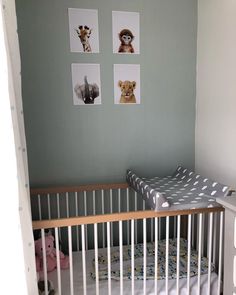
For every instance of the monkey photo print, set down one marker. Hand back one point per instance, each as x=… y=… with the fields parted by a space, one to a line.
x=86 y=84
x=127 y=84
x=83 y=25
x=125 y=27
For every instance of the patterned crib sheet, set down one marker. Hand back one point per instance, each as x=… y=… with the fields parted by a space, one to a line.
x=183 y=190
x=150 y=268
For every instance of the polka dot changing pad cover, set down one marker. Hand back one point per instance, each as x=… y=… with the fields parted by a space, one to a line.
x=183 y=190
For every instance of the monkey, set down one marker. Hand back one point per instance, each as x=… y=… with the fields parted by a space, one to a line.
x=126 y=37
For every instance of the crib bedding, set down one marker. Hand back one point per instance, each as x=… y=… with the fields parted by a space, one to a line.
x=115 y=285
x=182 y=190
x=150 y=268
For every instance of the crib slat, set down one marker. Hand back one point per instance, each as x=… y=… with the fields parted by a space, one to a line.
x=45 y=275
x=121 y=256
x=209 y=254
x=135 y=222
x=167 y=254
x=203 y=231
x=144 y=254
x=85 y=203
x=58 y=261
x=127 y=206
x=220 y=252
x=151 y=229
x=76 y=204
x=178 y=253
x=85 y=214
x=94 y=204
x=84 y=259
x=67 y=205
x=111 y=211
x=58 y=212
x=71 y=261
x=199 y=253
x=193 y=230
x=132 y=256
x=109 y=257
x=196 y=236
x=156 y=253
x=119 y=203
x=77 y=227
x=58 y=206
x=39 y=206
x=103 y=224
x=96 y=256
x=49 y=206
x=189 y=252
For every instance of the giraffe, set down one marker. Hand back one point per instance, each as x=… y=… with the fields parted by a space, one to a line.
x=84 y=33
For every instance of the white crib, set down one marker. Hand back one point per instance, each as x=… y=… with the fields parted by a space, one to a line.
x=93 y=220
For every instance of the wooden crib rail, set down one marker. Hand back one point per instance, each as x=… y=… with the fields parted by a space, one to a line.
x=114 y=217
x=80 y=188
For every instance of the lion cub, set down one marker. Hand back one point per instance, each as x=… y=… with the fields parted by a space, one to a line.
x=127 y=91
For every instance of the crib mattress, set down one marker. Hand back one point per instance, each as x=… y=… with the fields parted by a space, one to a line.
x=115 y=285
x=150 y=265
x=182 y=190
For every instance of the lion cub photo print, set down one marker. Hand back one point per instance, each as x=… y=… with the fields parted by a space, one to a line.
x=86 y=84
x=125 y=28
x=83 y=25
x=126 y=84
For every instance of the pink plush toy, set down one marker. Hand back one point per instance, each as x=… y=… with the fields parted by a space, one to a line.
x=50 y=255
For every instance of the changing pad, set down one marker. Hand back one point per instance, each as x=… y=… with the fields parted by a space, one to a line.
x=182 y=190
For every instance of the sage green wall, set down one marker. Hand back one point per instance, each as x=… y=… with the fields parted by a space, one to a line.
x=70 y=144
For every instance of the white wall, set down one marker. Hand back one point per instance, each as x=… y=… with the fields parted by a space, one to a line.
x=15 y=213
x=216 y=90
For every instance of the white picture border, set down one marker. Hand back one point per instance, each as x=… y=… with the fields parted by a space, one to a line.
x=83 y=17
x=126 y=20
x=78 y=72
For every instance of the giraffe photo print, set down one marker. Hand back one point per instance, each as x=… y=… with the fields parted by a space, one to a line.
x=83 y=25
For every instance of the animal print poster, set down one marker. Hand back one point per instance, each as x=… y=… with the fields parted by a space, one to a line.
x=125 y=26
x=127 y=84
x=86 y=84
x=83 y=25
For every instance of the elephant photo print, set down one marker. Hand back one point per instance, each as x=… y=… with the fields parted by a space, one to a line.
x=86 y=84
